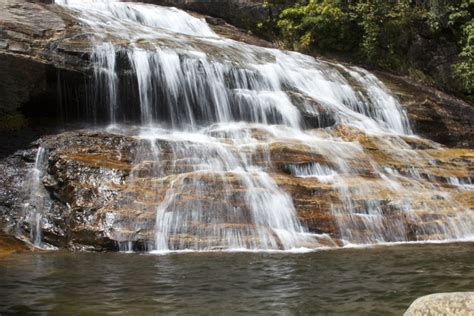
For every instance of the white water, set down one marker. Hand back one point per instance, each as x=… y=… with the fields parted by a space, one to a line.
x=314 y=170
x=38 y=203
x=189 y=76
x=221 y=105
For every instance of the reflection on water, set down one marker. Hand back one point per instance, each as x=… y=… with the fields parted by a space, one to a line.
x=362 y=281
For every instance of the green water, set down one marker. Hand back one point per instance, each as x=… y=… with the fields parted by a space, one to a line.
x=376 y=281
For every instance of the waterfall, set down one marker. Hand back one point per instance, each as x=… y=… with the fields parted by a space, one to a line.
x=38 y=203
x=211 y=110
x=189 y=76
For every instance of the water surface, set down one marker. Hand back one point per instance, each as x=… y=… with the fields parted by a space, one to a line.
x=381 y=280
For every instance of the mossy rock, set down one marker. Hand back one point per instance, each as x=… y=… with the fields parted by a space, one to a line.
x=12 y=121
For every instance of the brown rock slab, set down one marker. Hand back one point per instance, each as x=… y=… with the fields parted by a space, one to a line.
x=10 y=245
x=103 y=195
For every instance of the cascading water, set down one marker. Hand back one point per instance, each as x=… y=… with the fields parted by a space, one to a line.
x=211 y=110
x=38 y=203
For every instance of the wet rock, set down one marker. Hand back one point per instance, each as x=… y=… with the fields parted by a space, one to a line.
x=17 y=47
x=102 y=196
x=314 y=114
x=10 y=245
x=13 y=179
x=458 y=303
x=43 y=47
x=29 y=60
x=44 y=53
x=434 y=114
x=227 y=30
x=247 y=14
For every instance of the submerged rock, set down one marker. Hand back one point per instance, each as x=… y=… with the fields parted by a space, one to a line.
x=458 y=303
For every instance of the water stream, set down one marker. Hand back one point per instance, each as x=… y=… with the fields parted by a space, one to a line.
x=38 y=202
x=220 y=106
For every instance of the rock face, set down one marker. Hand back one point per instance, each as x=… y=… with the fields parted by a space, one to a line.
x=431 y=56
x=252 y=15
x=102 y=196
x=98 y=191
x=45 y=54
x=460 y=303
x=35 y=42
x=434 y=114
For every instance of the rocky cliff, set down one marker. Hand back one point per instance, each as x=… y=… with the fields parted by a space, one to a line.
x=99 y=194
x=45 y=53
x=41 y=49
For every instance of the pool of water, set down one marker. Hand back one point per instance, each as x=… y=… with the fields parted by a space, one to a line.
x=379 y=280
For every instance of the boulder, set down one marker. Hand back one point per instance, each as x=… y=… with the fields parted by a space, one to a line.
x=457 y=303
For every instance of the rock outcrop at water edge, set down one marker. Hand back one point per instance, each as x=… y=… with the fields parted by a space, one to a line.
x=102 y=197
x=457 y=303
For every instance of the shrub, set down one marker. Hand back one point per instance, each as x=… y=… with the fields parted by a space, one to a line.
x=379 y=32
x=320 y=25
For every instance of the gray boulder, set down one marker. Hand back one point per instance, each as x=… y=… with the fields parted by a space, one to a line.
x=457 y=303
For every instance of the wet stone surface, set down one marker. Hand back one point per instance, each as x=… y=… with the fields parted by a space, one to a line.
x=101 y=195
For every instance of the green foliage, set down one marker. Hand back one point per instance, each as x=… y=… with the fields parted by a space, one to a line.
x=12 y=121
x=460 y=18
x=380 y=32
x=465 y=68
x=386 y=28
x=319 y=24
x=370 y=22
x=372 y=28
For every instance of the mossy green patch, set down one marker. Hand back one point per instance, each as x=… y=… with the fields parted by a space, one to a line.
x=12 y=121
